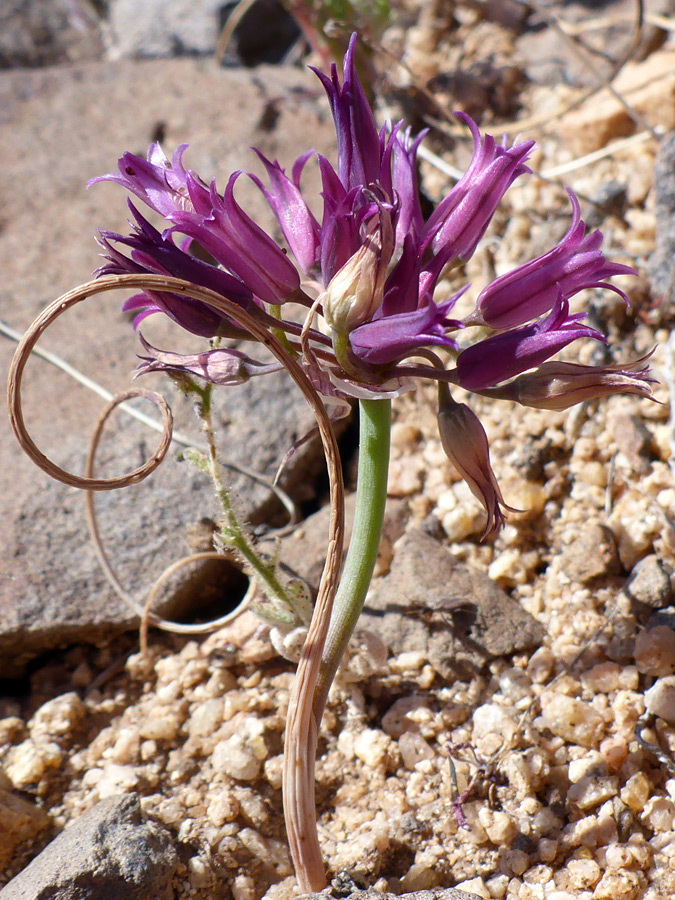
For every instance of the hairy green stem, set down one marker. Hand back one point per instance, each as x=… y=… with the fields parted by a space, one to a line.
x=232 y=532
x=371 y=495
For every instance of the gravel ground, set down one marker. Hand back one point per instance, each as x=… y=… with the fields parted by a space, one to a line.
x=563 y=757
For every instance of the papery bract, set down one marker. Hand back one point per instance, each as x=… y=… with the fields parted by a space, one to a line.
x=355 y=292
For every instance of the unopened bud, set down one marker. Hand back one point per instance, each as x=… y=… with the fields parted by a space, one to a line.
x=356 y=290
x=466 y=446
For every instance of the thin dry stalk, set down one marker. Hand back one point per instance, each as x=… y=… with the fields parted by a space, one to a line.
x=148 y=617
x=144 y=612
x=301 y=727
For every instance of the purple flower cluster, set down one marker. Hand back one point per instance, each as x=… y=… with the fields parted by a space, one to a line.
x=374 y=264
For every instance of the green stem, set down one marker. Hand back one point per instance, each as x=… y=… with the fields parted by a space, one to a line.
x=371 y=495
x=232 y=533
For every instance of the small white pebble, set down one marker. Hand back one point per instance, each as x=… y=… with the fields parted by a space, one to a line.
x=223 y=807
x=614 y=750
x=273 y=769
x=629 y=678
x=413 y=749
x=206 y=718
x=544 y=822
x=499 y=827
x=26 y=763
x=617 y=885
x=603 y=678
x=660 y=699
x=474 y=886
x=400 y=716
x=540 y=666
x=57 y=717
x=547 y=848
x=116 y=779
x=462 y=521
x=572 y=719
x=517 y=861
x=409 y=661
x=162 y=724
x=655 y=651
x=200 y=872
x=372 y=746
x=241 y=755
x=243 y=888
x=493 y=728
x=497 y=886
x=126 y=748
x=406 y=476
x=636 y=792
x=582 y=873
x=591 y=791
x=659 y=814
x=404 y=435
x=589 y=764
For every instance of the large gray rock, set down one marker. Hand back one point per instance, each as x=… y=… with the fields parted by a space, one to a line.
x=167 y=28
x=109 y=853
x=59 y=128
x=454 y=613
x=159 y=28
x=438 y=894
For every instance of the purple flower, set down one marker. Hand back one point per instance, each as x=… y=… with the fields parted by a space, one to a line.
x=156 y=181
x=498 y=358
x=150 y=252
x=398 y=178
x=359 y=146
x=460 y=219
x=221 y=226
x=298 y=226
x=574 y=264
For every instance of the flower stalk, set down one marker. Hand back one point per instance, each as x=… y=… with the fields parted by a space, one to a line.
x=371 y=496
x=326 y=643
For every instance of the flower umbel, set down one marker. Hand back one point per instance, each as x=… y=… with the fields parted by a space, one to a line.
x=375 y=263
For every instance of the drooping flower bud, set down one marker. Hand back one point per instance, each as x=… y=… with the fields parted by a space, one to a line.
x=466 y=446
